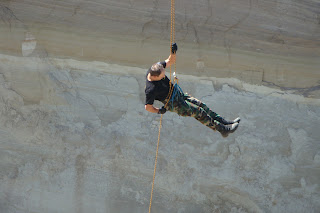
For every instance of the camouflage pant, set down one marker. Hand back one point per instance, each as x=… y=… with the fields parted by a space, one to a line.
x=185 y=105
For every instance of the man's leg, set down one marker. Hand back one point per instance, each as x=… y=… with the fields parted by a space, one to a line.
x=212 y=114
x=185 y=108
x=192 y=110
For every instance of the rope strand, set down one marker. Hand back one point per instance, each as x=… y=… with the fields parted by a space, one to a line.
x=172 y=39
x=155 y=164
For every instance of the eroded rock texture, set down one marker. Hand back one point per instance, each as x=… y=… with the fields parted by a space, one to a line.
x=74 y=134
x=274 y=43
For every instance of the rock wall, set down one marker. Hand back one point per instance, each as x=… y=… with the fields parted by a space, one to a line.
x=75 y=138
x=274 y=43
x=74 y=135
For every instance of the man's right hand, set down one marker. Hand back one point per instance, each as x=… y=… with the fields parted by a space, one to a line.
x=162 y=110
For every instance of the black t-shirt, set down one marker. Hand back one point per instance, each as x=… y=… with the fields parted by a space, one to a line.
x=157 y=90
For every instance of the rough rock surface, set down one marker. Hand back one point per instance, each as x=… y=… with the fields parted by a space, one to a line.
x=274 y=42
x=74 y=135
x=75 y=138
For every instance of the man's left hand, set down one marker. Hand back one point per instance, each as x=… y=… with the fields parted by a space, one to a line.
x=174 y=48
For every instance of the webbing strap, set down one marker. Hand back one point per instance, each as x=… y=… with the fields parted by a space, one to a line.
x=176 y=88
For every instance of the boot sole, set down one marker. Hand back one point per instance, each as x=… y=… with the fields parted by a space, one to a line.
x=238 y=121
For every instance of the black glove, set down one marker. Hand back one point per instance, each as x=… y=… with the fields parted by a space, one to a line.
x=174 y=48
x=162 y=110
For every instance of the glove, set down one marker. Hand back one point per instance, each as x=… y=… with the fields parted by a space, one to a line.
x=162 y=110
x=174 y=48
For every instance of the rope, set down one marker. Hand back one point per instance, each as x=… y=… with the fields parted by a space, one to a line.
x=172 y=38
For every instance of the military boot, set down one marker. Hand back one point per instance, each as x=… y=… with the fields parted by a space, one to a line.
x=226 y=129
x=225 y=122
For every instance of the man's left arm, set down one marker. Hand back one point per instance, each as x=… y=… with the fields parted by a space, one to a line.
x=172 y=57
x=170 y=60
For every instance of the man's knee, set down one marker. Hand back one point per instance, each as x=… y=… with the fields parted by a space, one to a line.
x=195 y=101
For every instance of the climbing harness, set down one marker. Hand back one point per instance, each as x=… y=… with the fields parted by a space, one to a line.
x=172 y=38
x=176 y=89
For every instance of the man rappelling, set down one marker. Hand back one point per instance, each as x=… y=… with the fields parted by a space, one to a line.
x=158 y=88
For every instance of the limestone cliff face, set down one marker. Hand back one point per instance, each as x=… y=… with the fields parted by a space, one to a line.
x=74 y=135
x=274 y=43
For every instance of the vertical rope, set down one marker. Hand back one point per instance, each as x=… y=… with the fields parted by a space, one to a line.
x=173 y=34
x=155 y=164
x=172 y=38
